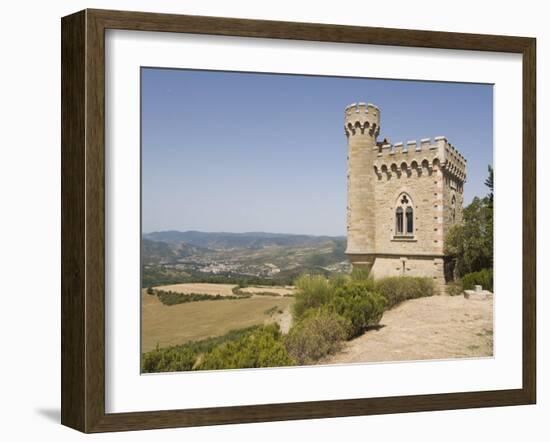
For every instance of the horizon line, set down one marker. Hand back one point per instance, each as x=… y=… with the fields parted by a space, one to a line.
x=241 y=232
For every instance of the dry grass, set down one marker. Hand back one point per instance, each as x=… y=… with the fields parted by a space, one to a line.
x=224 y=289
x=201 y=288
x=277 y=291
x=177 y=324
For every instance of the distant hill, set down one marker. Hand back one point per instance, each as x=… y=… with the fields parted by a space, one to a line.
x=172 y=256
x=248 y=240
x=161 y=251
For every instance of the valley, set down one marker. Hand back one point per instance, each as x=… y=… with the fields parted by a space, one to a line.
x=252 y=258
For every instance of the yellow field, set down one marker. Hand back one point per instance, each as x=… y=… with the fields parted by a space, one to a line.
x=280 y=291
x=202 y=288
x=177 y=324
x=224 y=289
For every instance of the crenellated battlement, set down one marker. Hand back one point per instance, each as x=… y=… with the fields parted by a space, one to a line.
x=406 y=157
x=362 y=119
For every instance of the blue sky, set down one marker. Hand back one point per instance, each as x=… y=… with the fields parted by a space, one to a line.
x=242 y=152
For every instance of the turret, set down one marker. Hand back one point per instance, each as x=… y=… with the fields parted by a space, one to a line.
x=362 y=119
x=362 y=127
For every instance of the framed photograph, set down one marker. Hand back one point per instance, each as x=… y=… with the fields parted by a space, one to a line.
x=267 y=221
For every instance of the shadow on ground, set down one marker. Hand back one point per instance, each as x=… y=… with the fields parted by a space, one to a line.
x=51 y=414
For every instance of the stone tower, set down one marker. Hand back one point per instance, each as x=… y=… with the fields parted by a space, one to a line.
x=402 y=198
x=362 y=126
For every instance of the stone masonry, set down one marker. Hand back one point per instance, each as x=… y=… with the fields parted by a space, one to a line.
x=402 y=199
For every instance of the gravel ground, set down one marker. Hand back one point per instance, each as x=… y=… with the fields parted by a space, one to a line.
x=439 y=327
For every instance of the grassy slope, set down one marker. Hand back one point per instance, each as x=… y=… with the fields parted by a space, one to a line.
x=177 y=324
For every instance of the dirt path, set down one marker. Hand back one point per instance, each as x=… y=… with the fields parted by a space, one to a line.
x=439 y=327
x=285 y=320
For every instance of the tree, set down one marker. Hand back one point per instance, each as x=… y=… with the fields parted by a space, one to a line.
x=489 y=184
x=470 y=244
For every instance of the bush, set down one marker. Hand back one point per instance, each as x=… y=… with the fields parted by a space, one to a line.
x=455 y=288
x=262 y=348
x=483 y=277
x=173 y=298
x=360 y=273
x=338 y=280
x=359 y=300
x=312 y=291
x=169 y=359
x=184 y=357
x=318 y=334
x=397 y=289
x=256 y=346
x=359 y=306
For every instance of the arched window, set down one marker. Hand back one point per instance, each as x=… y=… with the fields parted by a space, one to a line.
x=410 y=222
x=399 y=221
x=404 y=216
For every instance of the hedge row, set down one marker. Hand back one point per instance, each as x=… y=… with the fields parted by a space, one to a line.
x=173 y=298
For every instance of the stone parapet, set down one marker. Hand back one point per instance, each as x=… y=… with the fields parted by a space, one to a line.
x=417 y=157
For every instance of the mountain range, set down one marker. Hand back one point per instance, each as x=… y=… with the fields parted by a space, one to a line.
x=200 y=256
x=247 y=240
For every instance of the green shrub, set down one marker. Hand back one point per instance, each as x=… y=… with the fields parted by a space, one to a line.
x=184 y=357
x=425 y=287
x=397 y=289
x=338 y=280
x=169 y=359
x=150 y=291
x=173 y=298
x=360 y=273
x=455 y=288
x=359 y=305
x=261 y=294
x=312 y=291
x=252 y=347
x=262 y=348
x=483 y=277
x=358 y=299
x=319 y=333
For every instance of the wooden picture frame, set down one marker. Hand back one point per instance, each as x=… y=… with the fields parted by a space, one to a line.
x=83 y=220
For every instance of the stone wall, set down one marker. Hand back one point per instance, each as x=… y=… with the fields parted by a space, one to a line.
x=409 y=265
x=424 y=191
x=452 y=190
